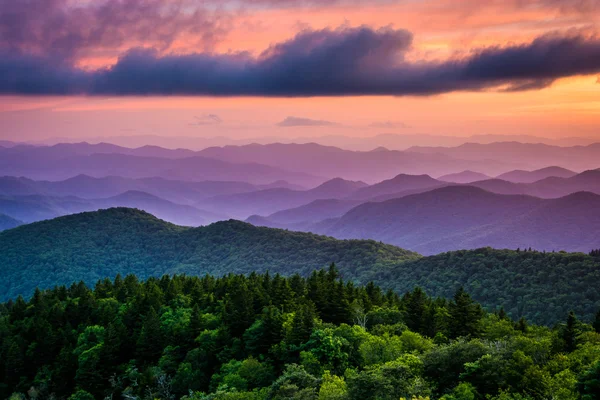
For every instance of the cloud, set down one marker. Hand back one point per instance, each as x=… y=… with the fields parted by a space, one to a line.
x=329 y=62
x=297 y=121
x=389 y=125
x=207 y=119
x=70 y=29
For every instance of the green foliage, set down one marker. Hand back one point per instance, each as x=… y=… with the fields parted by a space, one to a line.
x=541 y=286
x=263 y=337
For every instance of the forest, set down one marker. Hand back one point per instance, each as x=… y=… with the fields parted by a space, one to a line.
x=266 y=336
x=540 y=286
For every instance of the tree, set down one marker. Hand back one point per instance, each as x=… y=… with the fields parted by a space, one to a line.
x=416 y=307
x=465 y=315
x=596 y=323
x=150 y=342
x=589 y=383
x=302 y=324
x=570 y=332
x=333 y=388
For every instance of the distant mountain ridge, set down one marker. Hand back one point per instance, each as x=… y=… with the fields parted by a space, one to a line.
x=466 y=217
x=7 y=222
x=520 y=176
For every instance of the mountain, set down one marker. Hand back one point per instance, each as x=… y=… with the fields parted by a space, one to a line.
x=367 y=166
x=175 y=213
x=32 y=208
x=95 y=245
x=56 y=164
x=398 y=184
x=92 y=246
x=463 y=177
x=548 y=188
x=588 y=181
x=87 y=187
x=520 y=176
x=7 y=222
x=264 y=202
x=529 y=156
x=301 y=218
x=465 y=217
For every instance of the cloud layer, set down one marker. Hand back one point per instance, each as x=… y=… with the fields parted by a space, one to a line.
x=338 y=62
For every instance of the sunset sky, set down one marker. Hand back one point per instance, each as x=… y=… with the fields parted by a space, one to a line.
x=287 y=68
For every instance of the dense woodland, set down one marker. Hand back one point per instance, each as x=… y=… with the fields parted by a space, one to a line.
x=269 y=337
x=542 y=287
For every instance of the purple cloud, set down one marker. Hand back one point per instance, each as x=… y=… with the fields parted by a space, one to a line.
x=69 y=29
x=340 y=62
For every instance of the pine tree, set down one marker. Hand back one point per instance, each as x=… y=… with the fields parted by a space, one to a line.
x=238 y=309
x=302 y=324
x=150 y=342
x=465 y=315
x=522 y=325
x=570 y=332
x=416 y=308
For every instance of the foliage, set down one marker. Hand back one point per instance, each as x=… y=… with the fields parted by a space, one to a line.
x=268 y=337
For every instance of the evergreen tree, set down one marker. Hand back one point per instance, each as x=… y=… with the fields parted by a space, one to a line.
x=150 y=342
x=570 y=332
x=302 y=324
x=596 y=323
x=416 y=310
x=465 y=315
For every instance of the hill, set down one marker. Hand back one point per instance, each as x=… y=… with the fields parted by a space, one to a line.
x=464 y=177
x=92 y=246
x=465 y=217
x=301 y=218
x=7 y=222
x=530 y=284
x=268 y=201
x=398 y=184
x=95 y=245
x=520 y=176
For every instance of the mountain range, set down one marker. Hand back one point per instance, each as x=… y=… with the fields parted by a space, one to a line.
x=465 y=217
x=305 y=164
x=95 y=245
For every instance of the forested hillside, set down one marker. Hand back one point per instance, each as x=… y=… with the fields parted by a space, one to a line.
x=527 y=283
x=93 y=246
x=268 y=337
x=96 y=245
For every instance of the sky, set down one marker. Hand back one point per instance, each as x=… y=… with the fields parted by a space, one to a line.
x=288 y=68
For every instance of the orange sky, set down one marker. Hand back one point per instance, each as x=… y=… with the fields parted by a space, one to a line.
x=441 y=29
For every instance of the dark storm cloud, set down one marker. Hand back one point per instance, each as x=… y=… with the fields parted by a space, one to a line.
x=345 y=61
